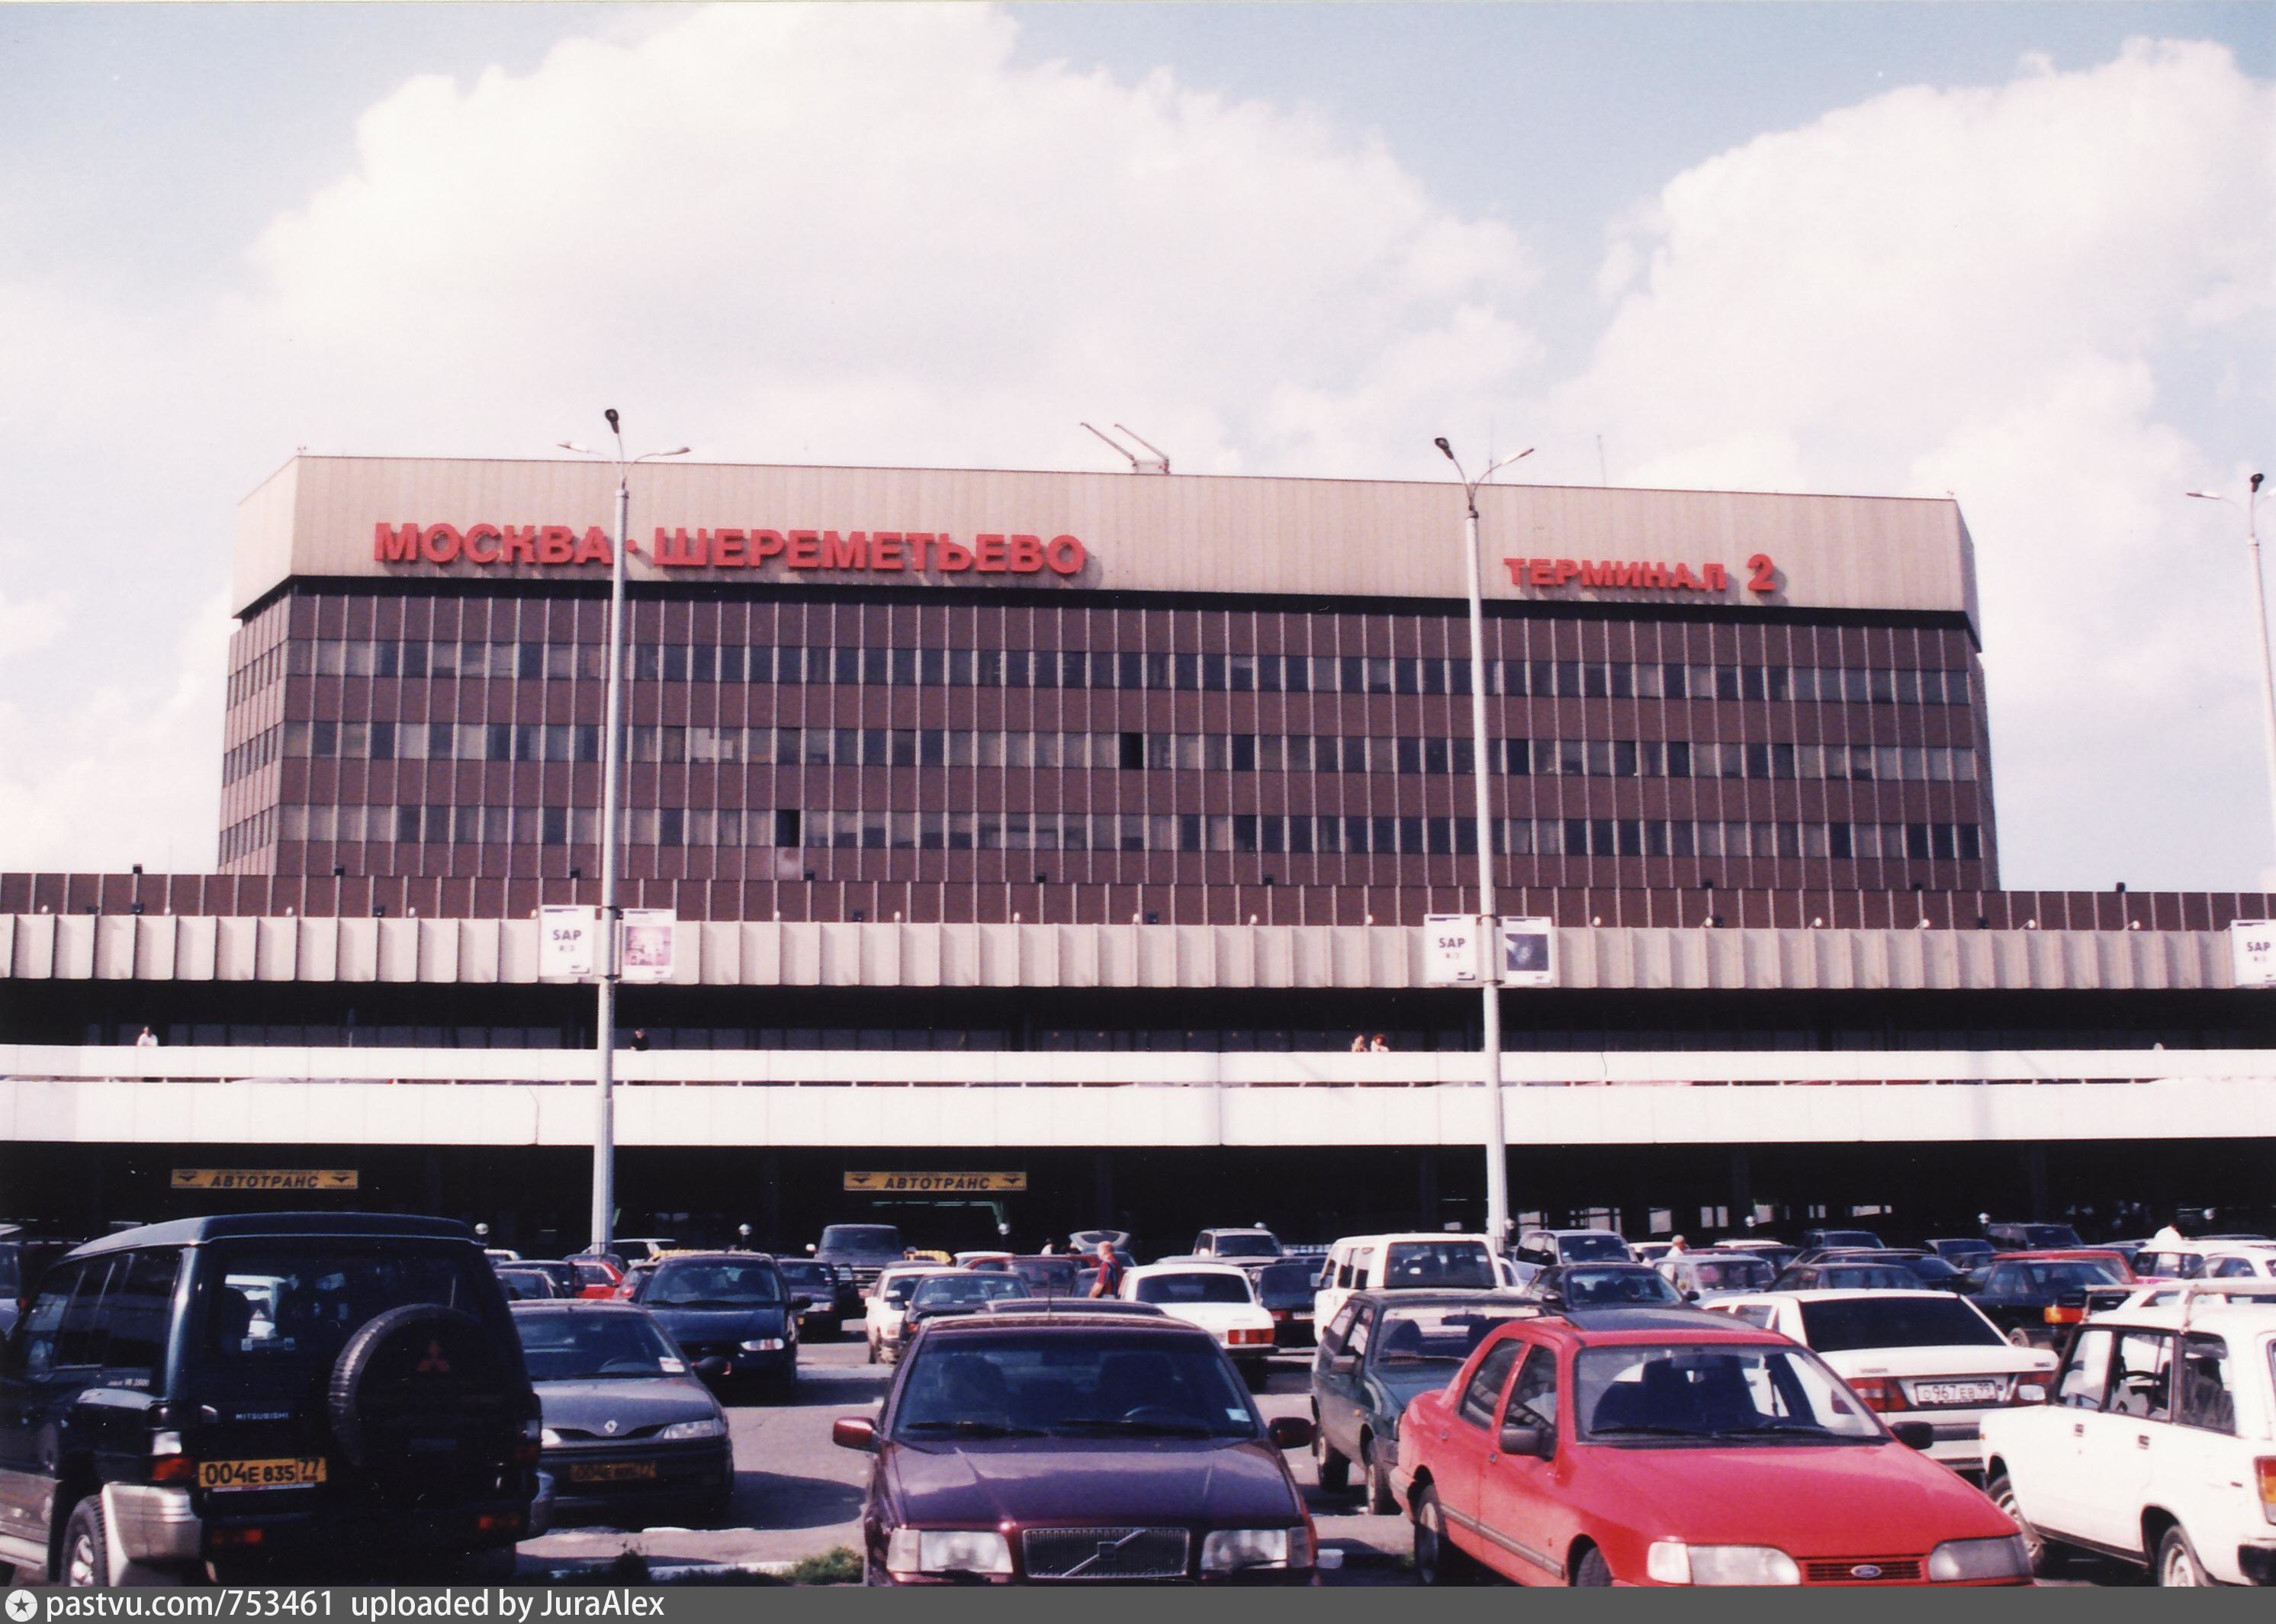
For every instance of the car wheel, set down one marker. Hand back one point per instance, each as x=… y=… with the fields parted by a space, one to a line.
x=1334 y=1471
x=1594 y=1573
x=1376 y=1470
x=87 y=1547
x=2046 y=1556
x=1255 y=1374
x=2177 y=1561
x=1436 y=1562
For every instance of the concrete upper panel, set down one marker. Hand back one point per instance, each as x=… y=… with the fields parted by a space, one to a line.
x=319 y=516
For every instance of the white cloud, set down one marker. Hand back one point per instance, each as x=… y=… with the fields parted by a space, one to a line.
x=1983 y=292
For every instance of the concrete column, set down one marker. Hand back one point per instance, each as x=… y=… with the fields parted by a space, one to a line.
x=1103 y=1182
x=2035 y=1171
x=1426 y=1188
x=770 y=1199
x=1742 y=1189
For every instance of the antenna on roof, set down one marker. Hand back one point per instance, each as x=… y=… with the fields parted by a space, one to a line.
x=1158 y=463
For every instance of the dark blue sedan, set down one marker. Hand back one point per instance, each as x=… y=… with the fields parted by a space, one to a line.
x=1381 y=1350
x=729 y=1306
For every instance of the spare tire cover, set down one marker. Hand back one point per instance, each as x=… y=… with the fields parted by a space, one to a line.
x=421 y=1399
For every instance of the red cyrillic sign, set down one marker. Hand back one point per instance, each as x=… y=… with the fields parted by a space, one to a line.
x=1630 y=575
x=873 y=551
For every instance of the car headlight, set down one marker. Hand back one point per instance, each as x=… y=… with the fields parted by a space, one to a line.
x=948 y=1550
x=680 y=1431
x=1231 y=1549
x=1671 y=1561
x=763 y=1345
x=549 y=1439
x=1980 y=1559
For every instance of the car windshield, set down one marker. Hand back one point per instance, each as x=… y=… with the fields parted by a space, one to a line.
x=1656 y=1394
x=2066 y=1275
x=298 y=1302
x=1965 y=1248
x=1866 y=1277
x=1725 y=1273
x=803 y=1274
x=896 y=1291
x=1248 y=1246
x=1838 y=1325
x=1932 y=1269
x=2052 y=1236
x=1457 y=1264
x=1445 y=1334
x=872 y=1237
x=1078 y=1383
x=713 y=1285
x=590 y=1347
x=1050 y=1276
x=966 y=1288
x=1596 y=1288
x=525 y=1283
x=1592 y=1248
x=1195 y=1288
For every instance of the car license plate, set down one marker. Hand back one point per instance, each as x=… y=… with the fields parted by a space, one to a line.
x=1955 y=1392
x=225 y=1476
x=611 y=1471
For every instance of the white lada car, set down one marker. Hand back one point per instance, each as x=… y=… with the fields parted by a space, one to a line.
x=1911 y=1356
x=888 y=1302
x=2160 y=1446
x=1218 y=1298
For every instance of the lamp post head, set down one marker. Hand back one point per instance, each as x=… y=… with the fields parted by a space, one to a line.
x=2256 y=482
x=1441 y=443
x=611 y=413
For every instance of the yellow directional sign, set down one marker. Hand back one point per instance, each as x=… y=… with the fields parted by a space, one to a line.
x=937 y=1183
x=265 y=1178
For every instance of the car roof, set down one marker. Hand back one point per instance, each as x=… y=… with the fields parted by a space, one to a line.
x=1835 y=1293
x=578 y=1305
x=1424 y=1299
x=1180 y=1266
x=721 y=1256
x=1407 y=1234
x=279 y=1226
x=1063 y=1320
x=1237 y=1229
x=1612 y=1327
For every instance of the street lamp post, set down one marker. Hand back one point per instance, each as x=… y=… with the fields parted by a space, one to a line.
x=2252 y=505
x=604 y=950
x=1497 y=1143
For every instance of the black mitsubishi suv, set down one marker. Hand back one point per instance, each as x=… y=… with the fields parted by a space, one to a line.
x=265 y=1394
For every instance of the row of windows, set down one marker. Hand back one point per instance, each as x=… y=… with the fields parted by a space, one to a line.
x=255 y=754
x=1078 y=832
x=1024 y=668
x=908 y=747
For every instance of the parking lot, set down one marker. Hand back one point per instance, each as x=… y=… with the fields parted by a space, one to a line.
x=798 y=1495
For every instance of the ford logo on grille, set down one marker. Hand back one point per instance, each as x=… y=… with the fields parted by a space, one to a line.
x=1864 y=1570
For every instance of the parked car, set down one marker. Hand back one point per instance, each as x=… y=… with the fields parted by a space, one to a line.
x=1828 y=1238
x=880 y=1317
x=864 y=1251
x=2208 y=1260
x=562 y=1273
x=1065 y=1445
x=2033 y=1237
x=1921 y=1355
x=1415 y=1262
x=526 y=1284
x=597 y=1277
x=1675 y=1447
x=299 y=1388
x=1284 y=1290
x=1048 y=1274
x=1538 y=1249
x=23 y=1259
x=632 y=1434
x=1701 y=1276
x=1961 y=1251
x=728 y=1306
x=1778 y=1253
x=1600 y=1286
x=1836 y=1273
x=833 y=1297
x=2160 y=1446
x=1216 y=1297
x=2035 y=1299
x=1237 y=1246
x=1381 y=1350
x=942 y=1296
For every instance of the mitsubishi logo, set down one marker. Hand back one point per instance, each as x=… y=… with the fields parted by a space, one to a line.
x=433 y=1363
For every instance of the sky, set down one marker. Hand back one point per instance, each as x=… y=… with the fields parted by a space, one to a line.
x=2025 y=255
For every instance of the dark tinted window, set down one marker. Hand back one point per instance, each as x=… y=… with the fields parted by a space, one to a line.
x=861 y=1238
x=138 y=1309
x=1083 y=1384
x=1484 y=1389
x=1247 y=1246
x=712 y=1283
x=1594 y=1249
x=43 y=1322
x=584 y=1347
x=1617 y=1288
x=86 y=1334
x=296 y=1303
x=1449 y=1264
x=1195 y=1288
x=1895 y=1322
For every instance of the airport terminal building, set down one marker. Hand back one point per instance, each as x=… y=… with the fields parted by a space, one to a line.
x=1070 y=826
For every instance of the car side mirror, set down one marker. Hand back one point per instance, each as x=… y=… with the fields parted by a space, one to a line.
x=711 y=1369
x=1691 y=1293
x=1914 y=1434
x=854 y=1432
x=1289 y=1431
x=1521 y=1438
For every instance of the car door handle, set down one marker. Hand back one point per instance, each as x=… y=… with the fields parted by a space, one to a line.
x=2141 y=1440
x=2078 y=1429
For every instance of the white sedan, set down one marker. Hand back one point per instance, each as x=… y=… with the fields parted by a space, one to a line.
x=888 y=1302
x=1216 y=1297
x=1911 y=1356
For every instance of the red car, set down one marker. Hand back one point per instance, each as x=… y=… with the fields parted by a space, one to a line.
x=597 y=1278
x=1669 y=1446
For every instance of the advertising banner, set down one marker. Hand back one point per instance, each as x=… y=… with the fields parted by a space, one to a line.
x=564 y=942
x=646 y=939
x=1529 y=953
x=2252 y=952
x=1450 y=949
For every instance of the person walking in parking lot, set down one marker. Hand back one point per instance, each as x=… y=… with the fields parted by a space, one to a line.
x=1109 y=1283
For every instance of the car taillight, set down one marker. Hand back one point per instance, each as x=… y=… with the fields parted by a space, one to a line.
x=1248 y=1338
x=2064 y=1317
x=531 y=1444
x=2265 y=1468
x=168 y=1462
x=1879 y=1392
